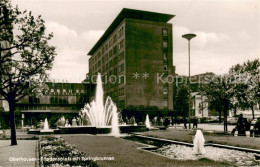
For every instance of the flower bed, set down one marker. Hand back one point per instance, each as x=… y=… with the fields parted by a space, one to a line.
x=54 y=151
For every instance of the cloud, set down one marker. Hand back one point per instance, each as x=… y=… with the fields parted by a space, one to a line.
x=202 y=39
x=244 y=36
x=207 y=61
x=92 y=35
x=210 y=51
x=61 y=30
x=71 y=62
x=205 y=39
x=66 y=37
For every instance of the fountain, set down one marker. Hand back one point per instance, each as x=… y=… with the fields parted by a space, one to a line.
x=46 y=129
x=198 y=143
x=100 y=115
x=62 y=119
x=147 y=122
x=100 y=118
x=46 y=125
x=115 y=128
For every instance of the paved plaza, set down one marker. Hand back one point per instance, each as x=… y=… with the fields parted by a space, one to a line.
x=210 y=127
x=22 y=155
x=215 y=127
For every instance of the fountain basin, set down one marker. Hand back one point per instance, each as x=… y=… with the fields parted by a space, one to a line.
x=184 y=151
x=46 y=132
x=230 y=156
x=38 y=132
x=101 y=130
x=89 y=130
x=78 y=130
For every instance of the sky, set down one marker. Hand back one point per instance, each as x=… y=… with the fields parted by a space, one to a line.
x=228 y=31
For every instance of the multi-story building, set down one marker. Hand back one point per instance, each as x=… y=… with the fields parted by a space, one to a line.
x=134 y=56
x=61 y=99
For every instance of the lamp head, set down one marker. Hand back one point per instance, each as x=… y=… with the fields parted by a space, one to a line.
x=188 y=36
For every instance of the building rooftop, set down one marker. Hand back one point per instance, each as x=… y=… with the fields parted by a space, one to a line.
x=133 y=14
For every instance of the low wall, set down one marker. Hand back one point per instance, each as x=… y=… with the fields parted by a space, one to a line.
x=93 y=130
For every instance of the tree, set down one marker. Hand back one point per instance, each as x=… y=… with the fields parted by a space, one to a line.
x=251 y=71
x=238 y=88
x=214 y=102
x=203 y=99
x=246 y=80
x=25 y=57
x=219 y=90
x=181 y=102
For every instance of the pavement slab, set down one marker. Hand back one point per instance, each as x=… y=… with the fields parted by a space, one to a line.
x=22 y=155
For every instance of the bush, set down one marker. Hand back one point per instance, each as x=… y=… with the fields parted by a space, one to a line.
x=203 y=120
x=55 y=151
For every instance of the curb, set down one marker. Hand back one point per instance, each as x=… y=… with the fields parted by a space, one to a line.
x=208 y=144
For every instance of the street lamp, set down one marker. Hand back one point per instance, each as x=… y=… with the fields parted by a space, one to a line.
x=189 y=37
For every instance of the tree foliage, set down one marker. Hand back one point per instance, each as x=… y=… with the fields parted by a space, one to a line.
x=219 y=91
x=25 y=56
x=239 y=88
x=246 y=84
x=181 y=103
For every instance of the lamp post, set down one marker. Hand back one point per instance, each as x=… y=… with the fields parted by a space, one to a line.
x=189 y=37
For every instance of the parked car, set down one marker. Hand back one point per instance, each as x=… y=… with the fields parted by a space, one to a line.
x=232 y=120
x=213 y=119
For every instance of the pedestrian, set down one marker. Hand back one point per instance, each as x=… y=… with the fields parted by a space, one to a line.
x=175 y=121
x=195 y=122
x=185 y=122
x=166 y=122
x=241 y=127
x=257 y=128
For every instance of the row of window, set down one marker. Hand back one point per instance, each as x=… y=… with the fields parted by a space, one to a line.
x=112 y=62
x=165 y=103
x=165 y=56
x=114 y=82
x=58 y=100
x=165 y=32
x=107 y=56
x=121 y=68
x=121 y=91
x=165 y=90
x=165 y=44
x=110 y=43
x=165 y=66
x=65 y=91
x=120 y=31
x=121 y=56
x=114 y=95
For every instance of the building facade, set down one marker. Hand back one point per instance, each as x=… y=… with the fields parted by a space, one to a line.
x=61 y=99
x=199 y=105
x=134 y=56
